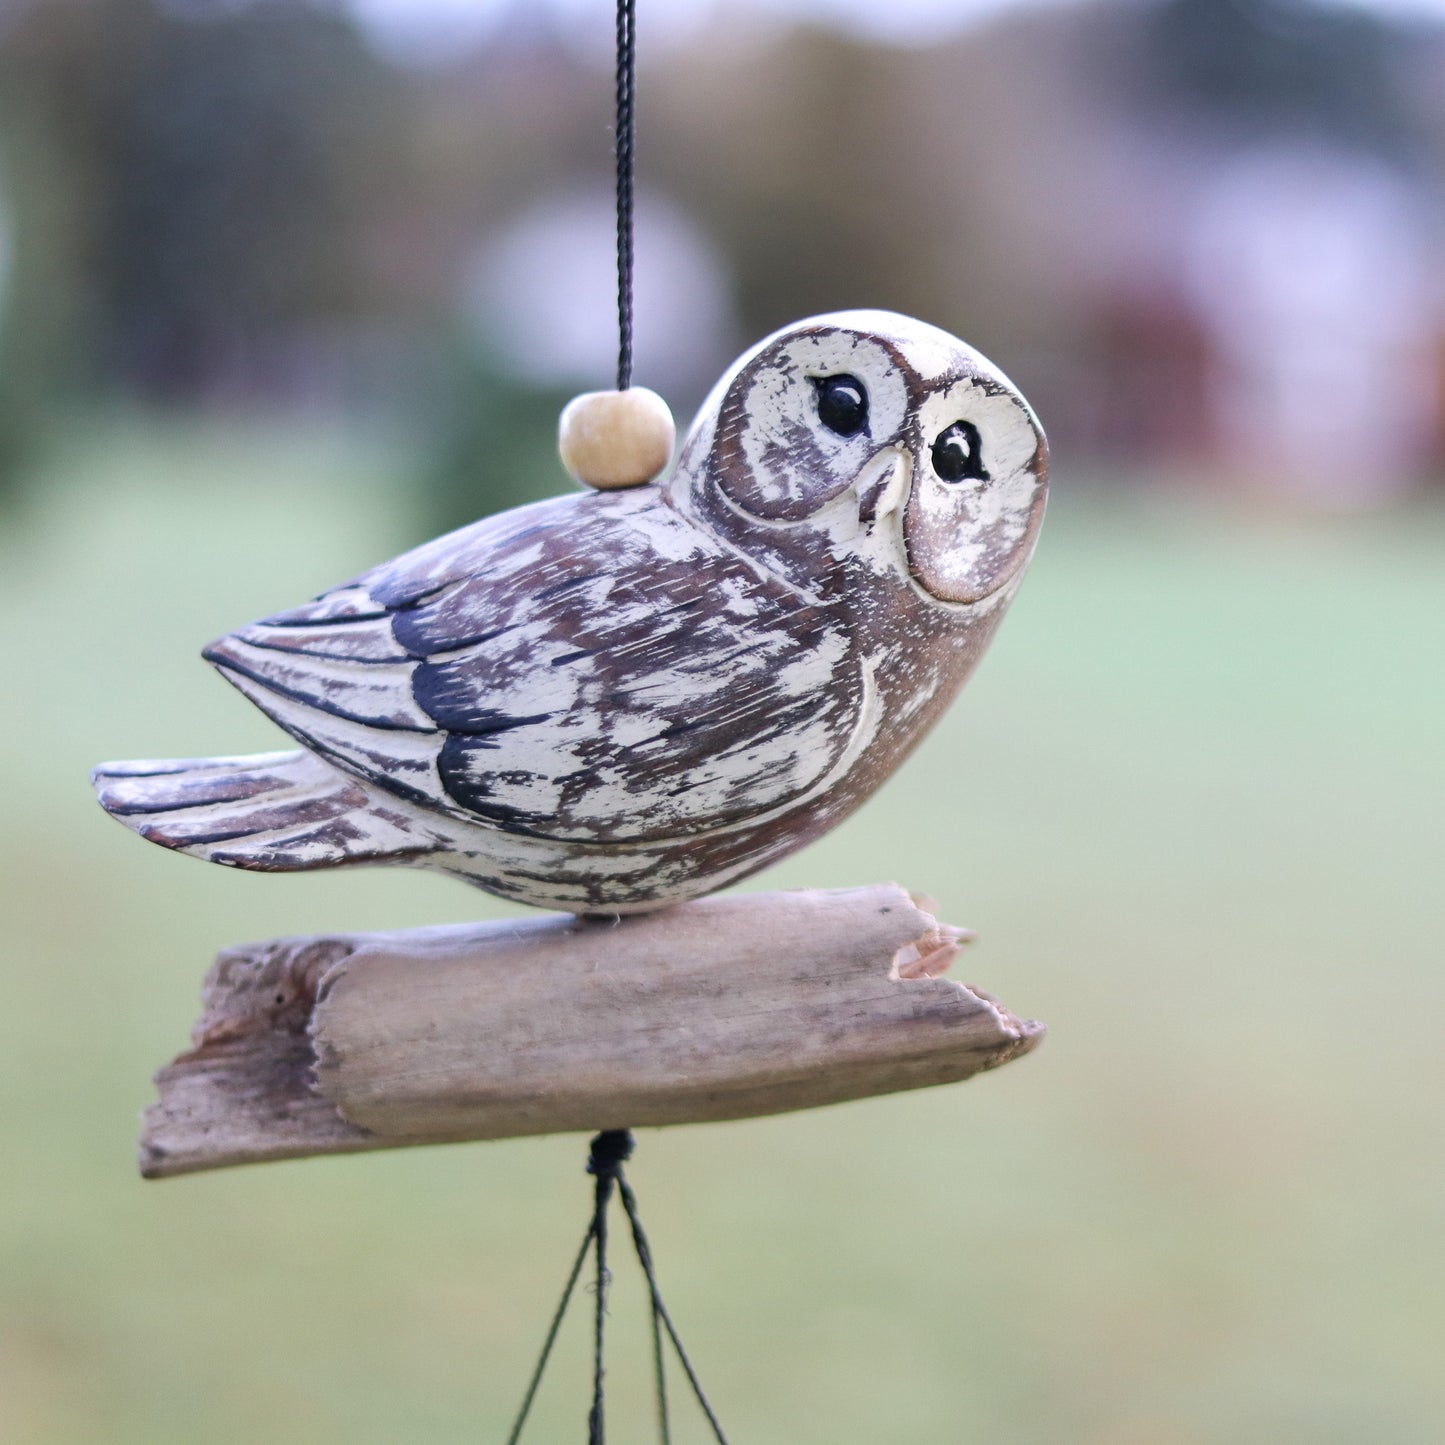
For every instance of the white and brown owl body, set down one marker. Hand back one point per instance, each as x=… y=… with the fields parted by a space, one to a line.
x=617 y=700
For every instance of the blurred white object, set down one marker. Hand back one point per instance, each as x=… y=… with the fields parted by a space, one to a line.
x=1310 y=268
x=543 y=295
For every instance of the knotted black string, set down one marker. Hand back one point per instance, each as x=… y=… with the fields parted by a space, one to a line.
x=605 y=1164
x=660 y=1317
x=626 y=139
x=609 y=1151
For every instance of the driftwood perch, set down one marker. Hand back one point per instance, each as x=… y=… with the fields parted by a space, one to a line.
x=717 y=1009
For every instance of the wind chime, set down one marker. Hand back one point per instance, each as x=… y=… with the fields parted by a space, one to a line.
x=615 y=703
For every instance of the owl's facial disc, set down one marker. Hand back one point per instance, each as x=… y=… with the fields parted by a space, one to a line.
x=805 y=419
x=979 y=487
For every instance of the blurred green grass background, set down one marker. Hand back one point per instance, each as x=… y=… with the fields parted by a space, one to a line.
x=1192 y=803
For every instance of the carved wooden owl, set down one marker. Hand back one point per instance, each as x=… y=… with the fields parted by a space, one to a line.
x=616 y=700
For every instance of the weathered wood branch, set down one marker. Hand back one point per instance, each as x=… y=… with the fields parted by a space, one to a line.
x=717 y=1009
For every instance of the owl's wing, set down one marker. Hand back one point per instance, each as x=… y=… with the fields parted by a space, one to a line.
x=594 y=668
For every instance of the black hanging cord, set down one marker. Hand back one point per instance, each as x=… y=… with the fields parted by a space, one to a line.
x=610 y=1150
x=605 y=1164
x=613 y=1147
x=550 y=1340
x=626 y=143
x=661 y=1316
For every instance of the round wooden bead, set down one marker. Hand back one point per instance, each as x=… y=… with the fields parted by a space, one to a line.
x=611 y=439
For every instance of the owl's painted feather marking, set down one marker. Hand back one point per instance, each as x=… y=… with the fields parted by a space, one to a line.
x=271 y=811
x=649 y=706
x=137 y=788
x=341 y=604
x=365 y=690
x=369 y=639
x=489 y=548
x=402 y=760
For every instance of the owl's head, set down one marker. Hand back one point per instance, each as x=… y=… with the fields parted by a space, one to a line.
x=889 y=438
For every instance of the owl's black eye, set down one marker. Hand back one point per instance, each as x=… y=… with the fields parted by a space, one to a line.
x=842 y=404
x=958 y=454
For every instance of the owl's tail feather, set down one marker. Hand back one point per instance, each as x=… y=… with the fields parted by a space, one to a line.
x=275 y=812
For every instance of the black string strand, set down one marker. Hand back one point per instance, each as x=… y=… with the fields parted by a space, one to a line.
x=659 y=1309
x=664 y=1429
x=551 y=1339
x=626 y=145
x=610 y=1150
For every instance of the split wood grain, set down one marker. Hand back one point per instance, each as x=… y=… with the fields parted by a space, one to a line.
x=722 y=1008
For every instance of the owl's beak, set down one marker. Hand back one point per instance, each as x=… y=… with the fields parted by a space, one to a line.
x=882 y=485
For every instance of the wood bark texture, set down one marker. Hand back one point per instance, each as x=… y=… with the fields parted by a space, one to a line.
x=722 y=1008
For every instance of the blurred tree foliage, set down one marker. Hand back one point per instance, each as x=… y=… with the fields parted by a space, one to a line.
x=190 y=191
x=214 y=171
x=223 y=203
